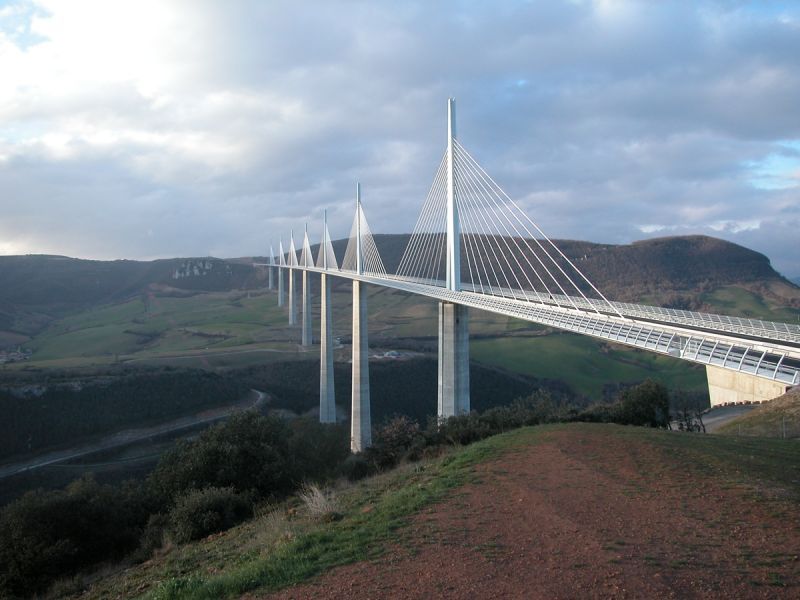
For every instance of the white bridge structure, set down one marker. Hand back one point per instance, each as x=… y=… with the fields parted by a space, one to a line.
x=474 y=248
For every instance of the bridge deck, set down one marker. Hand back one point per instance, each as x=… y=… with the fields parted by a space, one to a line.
x=760 y=348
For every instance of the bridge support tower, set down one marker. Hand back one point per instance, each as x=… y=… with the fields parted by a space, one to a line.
x=453 y=318
x=306 y=312
x=453 y=360
x=281 y=293
x=327 y=396
x=292 y=302
x=361 y=421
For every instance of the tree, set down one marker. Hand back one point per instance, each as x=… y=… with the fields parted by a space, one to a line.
x=646 y=404
x=249 y=453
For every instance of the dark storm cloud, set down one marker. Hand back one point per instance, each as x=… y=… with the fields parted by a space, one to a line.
x=220 y=126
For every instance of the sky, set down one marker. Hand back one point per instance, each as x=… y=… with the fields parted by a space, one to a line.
x=158 y=128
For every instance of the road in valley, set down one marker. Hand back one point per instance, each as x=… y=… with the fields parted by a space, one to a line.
x=255 y=401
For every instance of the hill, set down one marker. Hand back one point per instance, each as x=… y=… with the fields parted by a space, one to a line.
x=777 y=418
x=657 y=270
x=689 y=272
x=517 y=515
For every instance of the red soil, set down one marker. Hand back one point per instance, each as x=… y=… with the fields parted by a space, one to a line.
x=586 y=515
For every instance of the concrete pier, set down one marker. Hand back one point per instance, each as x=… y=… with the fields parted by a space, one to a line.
x=729 y=387
x=361 y=422
x=292 y=299
x=270 y=284
x=453 y=360
x=306 y=312
x=281 y=298
x=327 y=396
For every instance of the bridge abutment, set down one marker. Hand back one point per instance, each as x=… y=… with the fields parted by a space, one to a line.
x=360 y=420
x=306 y=339
x=327 y=396
x=453 y=360
x=730 y=387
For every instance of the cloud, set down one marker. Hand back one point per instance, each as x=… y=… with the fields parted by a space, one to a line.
x=143 y=129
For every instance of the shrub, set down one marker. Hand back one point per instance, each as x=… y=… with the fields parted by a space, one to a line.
x=152 y=537
x=356 y=467
x=646 y=404
x=464 y=429
x=46 y=535
x=399 y=438
x=317 y=449
x=249 y=453
x=199 y=513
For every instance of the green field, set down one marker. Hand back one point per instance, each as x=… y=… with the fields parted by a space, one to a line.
x=584 y=363
x=738 y=301
x=239 y=328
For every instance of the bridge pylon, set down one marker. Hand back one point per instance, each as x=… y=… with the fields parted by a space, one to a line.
x=360 y=420
x=292 y=282
x=305 y=337
x=453 y=371
x=327 y=395
x=281 y=265
x=270 y=268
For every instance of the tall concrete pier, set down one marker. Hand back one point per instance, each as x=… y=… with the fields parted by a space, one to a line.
x=453 y=318
x=306 y=312
x=453 y=359
x=292 y=301
x=361 y=421
x=327 y=397
x=281 y=264
x=270 y=268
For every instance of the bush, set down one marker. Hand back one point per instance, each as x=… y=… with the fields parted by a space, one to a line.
x=317 y=449
x=153 y=536
x=249 y=453
x=46 y=535
x=400 y=438
x=356 y=467
x=646 y=404
x=199 y=513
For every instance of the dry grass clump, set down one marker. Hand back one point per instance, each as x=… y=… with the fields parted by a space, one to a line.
x=321 y=505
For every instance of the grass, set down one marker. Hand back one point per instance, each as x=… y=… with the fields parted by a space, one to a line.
x=586 y=364
x=284 y=547
x=273 y=551
x=735 y=300
x=741 y=459
x=776 y=419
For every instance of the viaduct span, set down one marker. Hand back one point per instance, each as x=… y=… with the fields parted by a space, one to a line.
x=474 y=248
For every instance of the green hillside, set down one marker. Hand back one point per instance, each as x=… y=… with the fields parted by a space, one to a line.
x=680 y=477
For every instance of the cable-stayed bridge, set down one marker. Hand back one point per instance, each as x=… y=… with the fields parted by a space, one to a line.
x=474 y=247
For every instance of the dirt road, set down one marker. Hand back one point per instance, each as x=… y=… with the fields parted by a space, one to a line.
x=587 y=516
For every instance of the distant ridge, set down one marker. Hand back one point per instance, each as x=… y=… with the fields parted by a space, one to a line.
x=34 y=289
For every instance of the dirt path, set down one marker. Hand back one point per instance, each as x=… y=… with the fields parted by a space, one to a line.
x=586 y=516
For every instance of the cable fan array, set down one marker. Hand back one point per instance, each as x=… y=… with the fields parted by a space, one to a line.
x=371 y=262
x=326 y=258
x=503 y=252
x=306 y=258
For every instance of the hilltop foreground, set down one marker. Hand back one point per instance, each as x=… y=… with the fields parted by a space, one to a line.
x=556 y=511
